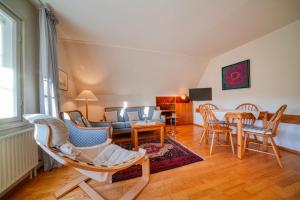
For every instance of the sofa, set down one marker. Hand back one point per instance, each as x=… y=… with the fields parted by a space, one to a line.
x=122 y=125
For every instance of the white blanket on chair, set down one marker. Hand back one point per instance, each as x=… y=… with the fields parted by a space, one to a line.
x=114 y=155
x=106 y=155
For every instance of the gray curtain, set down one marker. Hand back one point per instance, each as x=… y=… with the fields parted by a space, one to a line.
x=49 y=83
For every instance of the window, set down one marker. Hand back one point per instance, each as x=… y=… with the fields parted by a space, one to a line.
x=10 y=95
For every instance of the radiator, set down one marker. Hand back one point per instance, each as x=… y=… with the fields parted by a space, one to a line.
x=18 y=156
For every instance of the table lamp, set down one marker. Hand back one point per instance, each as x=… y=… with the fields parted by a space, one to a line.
x=86 y=95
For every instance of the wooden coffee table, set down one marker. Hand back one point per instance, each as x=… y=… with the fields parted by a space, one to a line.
x=140 y=126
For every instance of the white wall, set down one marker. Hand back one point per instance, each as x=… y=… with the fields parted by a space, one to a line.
x=66 y=97
x=275 y=70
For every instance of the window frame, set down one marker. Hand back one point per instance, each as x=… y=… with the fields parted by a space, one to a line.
x=9 y=122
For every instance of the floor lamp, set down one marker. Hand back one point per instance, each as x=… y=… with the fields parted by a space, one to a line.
x=86 y=95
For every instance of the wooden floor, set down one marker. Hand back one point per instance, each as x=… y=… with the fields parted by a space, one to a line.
x=221 y=176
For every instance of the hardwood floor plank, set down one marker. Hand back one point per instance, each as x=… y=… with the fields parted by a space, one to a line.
x=221 y=176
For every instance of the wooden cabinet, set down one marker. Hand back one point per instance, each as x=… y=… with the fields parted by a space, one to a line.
x=175 y=104
x=184 y=112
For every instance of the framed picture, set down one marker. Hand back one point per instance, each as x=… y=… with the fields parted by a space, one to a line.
x=63 y=80
x=236 y=76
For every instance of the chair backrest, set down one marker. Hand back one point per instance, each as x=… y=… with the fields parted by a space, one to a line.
x=211 y=121
x=75 y=117
x=211 y=106
x=84 y=136
x=273 y=123
x=248 y=107
x=201 y=109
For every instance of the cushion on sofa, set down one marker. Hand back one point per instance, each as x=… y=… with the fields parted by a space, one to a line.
x=111 y=116
x=133 y=116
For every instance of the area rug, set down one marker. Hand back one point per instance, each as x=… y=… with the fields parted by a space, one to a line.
x=171 y=156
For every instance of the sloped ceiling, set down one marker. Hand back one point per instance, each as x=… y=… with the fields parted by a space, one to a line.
x=158 y=46
x=122 y=71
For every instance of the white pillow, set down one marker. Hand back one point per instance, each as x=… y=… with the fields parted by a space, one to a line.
x=156 y=115
x=133 y=116
x=111 y=116
x=59 y=131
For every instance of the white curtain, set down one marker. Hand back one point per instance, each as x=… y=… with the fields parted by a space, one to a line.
x=49 y=83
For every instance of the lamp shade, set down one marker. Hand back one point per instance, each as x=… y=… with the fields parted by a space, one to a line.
x=86 y=95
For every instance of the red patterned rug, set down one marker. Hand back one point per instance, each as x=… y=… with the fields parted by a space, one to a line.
x=171 y=156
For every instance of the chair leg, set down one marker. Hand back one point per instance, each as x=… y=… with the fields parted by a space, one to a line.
x=231 y=141
x=203 y=135
x=212 y=143
x=246 y=136
x=247 y=142
x=265 y=143
x=255 y=138
x=206 y=137
x=274 y=146
x=226 y=140
x=279 y=154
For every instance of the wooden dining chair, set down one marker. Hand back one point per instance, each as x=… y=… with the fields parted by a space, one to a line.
x=247 y=121
x=205 y=133
x=247 y=107
x=266 y=134
x=212 y=124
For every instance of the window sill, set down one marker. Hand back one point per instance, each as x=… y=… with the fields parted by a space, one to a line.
x=9 y=128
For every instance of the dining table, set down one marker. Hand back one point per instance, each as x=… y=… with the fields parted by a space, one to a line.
x=239 y=115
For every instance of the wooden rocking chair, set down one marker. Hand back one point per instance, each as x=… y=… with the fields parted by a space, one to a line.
x=89 y=170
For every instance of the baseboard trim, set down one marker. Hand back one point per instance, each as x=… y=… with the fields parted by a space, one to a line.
x=198 y=125
x=289 y=150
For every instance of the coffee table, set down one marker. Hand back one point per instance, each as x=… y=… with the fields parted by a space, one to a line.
x=141 y=126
